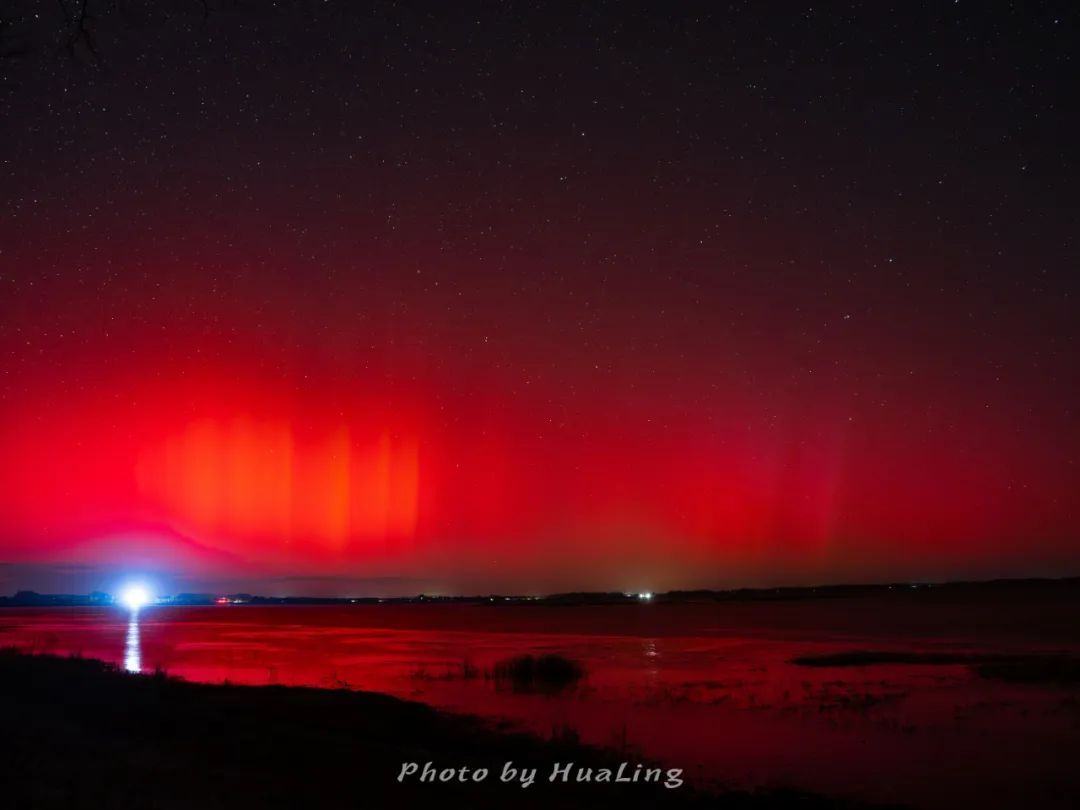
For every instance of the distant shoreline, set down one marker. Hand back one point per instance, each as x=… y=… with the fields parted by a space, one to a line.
x=996 y=587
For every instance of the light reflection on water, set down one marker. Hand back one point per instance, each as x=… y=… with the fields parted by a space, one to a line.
x=132 y=653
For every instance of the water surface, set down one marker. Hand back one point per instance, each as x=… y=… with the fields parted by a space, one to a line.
x=707 y=687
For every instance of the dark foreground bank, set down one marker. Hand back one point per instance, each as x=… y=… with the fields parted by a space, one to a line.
x=84 y=735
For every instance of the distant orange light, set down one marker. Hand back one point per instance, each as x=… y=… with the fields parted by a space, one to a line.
x=274 y=482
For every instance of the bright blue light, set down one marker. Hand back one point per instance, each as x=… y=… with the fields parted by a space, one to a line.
x=135 y=595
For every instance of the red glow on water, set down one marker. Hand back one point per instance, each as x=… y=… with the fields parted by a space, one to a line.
x=707 y=687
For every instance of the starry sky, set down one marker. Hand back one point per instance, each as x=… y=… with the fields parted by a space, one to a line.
x=391 y=297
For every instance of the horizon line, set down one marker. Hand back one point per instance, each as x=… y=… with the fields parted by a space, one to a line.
x=638 y=595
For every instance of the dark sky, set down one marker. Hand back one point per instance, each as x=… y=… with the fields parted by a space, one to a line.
x=535 y=296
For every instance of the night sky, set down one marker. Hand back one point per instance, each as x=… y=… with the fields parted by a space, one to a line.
x=365 y=298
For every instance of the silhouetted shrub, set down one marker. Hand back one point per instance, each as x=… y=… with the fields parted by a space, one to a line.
x=542 y=673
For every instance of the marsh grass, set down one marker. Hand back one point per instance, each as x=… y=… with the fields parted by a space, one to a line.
x=1030 y=668
x=465 y=671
